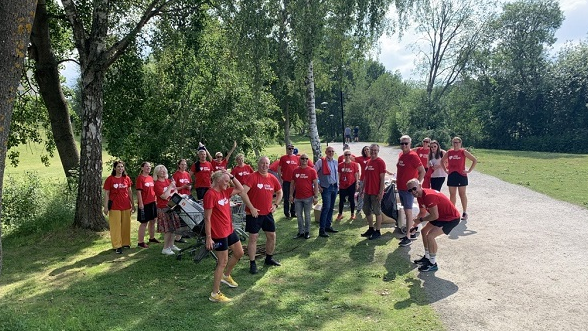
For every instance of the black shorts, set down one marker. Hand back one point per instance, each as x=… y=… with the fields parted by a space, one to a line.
x=225 y=243
x=456 y=179
x=262 y=222
x=200 y=192
x=446 y=226
x=148 y=213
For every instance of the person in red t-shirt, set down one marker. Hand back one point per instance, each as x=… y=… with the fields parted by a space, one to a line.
x=241 y=170
x=362 y=161
x=201 y=170
x=304 y=193
x=146 y=203
x=373 y=191
x=218 y=226
x=287 y=164
x=423 y=153
x=442 y=216
x=409 y=166
x=348 y=183
x=341 y=157
x=118 y=205
x=260 y=187
x=457 y=179
x=219 y=162
x=167 y=221
x=183 y=181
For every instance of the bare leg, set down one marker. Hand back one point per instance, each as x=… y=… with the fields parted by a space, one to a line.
x=252 y=246
x=141 y=235
x=237 y=255
x=270 y=244
x=222 y=256
x=463 y=197
x=452 y=194
x=152 y=228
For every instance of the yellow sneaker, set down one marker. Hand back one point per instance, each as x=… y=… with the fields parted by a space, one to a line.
x=218 y=297
x=229 y=281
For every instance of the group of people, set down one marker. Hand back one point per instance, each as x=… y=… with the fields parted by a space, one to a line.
x=360 y=178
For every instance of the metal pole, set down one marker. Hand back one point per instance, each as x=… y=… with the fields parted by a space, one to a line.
x=342 y=116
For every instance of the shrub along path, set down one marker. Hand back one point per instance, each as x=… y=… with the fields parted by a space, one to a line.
x=518 y=263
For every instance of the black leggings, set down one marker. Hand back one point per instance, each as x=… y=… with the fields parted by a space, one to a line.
x=348 y=192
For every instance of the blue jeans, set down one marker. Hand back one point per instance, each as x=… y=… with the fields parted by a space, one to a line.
x=329 y=195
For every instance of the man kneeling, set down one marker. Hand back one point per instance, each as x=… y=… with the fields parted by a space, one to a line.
x=442 y=218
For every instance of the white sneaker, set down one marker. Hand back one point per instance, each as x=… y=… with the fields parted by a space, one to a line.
x=175 y=248
x=167 y=251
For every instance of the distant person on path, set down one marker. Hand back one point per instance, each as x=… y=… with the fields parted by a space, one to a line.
x=219 y=162
x=201 y=170
x=408 y=166
x=287 y=164
x=118 y=205
x=442 y=217
x=458 y=176
x=356 y=134
x=347 y=135
x=304 y=193
x=220 y=234
x=146 y=205
x=242 y=169
x=361 y=161
x=373 y=191
x=167 y=221
x=348 y=183
x=326 y=169
x=260 y=187
x=438 y=174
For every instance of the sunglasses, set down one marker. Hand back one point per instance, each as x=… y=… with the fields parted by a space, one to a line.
x=403 y=143
x=412 y=189
x=291 y=149
x=426 y=142
x=347 y=154
x=303 y=158
x=457 y=142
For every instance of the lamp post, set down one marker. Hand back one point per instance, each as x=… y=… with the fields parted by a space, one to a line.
x=324 y=105
x=331 y=116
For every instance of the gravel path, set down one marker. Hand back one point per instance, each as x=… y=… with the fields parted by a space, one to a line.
x=518 y=263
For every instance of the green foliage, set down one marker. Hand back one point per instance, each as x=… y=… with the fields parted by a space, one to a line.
x=31 y=206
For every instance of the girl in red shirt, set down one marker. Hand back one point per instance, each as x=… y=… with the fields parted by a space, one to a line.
x=241 y=170
x=167 y=221
x=146 y=203
x=348 y=183
x=118 y=205
x=457 y=179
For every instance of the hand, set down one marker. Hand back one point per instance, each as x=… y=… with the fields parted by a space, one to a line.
x=209 y=243
x=380 y=196
x=106 y=211
x=255 y=211
x=132 y=209
x=291 y=199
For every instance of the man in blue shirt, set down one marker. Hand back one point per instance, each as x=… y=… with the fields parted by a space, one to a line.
x=326 y=169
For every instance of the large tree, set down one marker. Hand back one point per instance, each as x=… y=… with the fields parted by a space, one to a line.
x=16 y=21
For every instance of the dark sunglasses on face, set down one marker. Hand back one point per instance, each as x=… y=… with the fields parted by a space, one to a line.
x=412 y=189
x=304 y=158
x=403 y=143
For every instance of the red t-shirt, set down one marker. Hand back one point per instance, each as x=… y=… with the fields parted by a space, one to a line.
x=145 y=185
x=242 y=172
x=221 y=222
x=160 y=188
x=341 y=158
x=118 y=189
x=216 y=165
x=431 y=198
x=456 y=161
x=423 y=154
x=303 y=179
x=347 y=174
x=261 y=191
x=407 y=168
x=371 y=178
x=202 y=177
x=274 y=166
x=288 y=164
x=362 y=161
x=182 y=178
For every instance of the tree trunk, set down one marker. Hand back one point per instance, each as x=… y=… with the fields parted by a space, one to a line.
x=287 y=124
x=47 y=77
x=315 y=141
x=89 y=201
x=16 y=19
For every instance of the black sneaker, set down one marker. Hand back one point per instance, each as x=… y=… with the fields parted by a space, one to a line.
x=375 y=235
x=126 y=246
x=368 y=233
x=422 y=261
x=306 y=235
x=429 y=267
x=464 y=217
x=414 y=235
x=330 y=229
x=405 y=242
x=323 y=234
x=299 y=235
x=153 y=240
x=293 y=215
x=272 y=262
x=252 y=268
x=118 y=250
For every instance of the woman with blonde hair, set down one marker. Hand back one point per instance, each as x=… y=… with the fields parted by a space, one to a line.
x=167 y=220
x=457 y=179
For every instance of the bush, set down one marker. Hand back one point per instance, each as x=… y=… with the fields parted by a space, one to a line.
x=30 y=206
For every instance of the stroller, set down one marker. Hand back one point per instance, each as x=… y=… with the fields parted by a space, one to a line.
x=191 y=214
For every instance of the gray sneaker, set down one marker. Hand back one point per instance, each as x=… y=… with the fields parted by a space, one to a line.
x=405 y=242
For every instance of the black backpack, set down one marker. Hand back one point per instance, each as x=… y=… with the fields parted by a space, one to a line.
x=389 y=206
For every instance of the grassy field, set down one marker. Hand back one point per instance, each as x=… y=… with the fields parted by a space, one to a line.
x=71 y=280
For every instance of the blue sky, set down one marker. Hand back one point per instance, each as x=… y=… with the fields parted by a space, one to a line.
x=396 y=55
